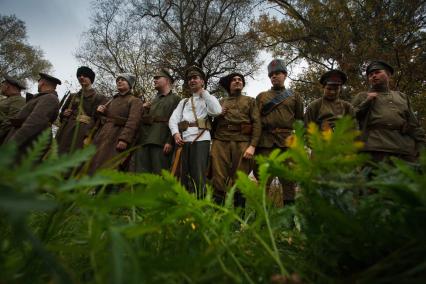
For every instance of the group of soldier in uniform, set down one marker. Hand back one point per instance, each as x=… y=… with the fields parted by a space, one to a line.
x=200 y=137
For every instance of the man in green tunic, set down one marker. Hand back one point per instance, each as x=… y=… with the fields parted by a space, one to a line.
x=329 y=108
x=78 y=114
x=11 y=104
x=236 y=135
x=388 y=124
x=279 y=109
x=155 y=138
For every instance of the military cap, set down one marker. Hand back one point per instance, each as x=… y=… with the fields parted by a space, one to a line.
x=333 y=77
x=14 y=82
x=276 y=65
x=86 y=72
x=379 y=65
x=194 y=71
x=129 y=77
x=164 y=73
x=225 y=81
x=50 y=78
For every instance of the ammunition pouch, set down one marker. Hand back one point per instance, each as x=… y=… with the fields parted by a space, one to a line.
x=183 y=125
x=204 y=123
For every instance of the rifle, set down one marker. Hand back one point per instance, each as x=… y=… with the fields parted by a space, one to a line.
x=63 y=100
x=88 y=140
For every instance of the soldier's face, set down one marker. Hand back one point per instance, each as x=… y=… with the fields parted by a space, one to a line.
x=332 y=90
x=122 y=85
x=378 y=77
x=195 y=83
x=236 y=85
x=278 y=79
x=84 y=81
x=160 y=83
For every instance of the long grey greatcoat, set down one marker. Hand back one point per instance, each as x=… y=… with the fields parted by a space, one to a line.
x=37 y=115
x=81 y=104
x=121 y=121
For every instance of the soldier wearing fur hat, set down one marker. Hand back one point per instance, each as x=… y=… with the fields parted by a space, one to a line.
x=236 y=135
x=119 y=124
x=37 y=115
x=326 y=110
x=11 y=105
x=78 y=113
x=155 y=139
x=279 y=109
x=388 y=124
x=190 y=127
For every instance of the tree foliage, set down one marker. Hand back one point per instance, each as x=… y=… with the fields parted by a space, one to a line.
x=347 y=34
x=17 y=57
x=140 y=36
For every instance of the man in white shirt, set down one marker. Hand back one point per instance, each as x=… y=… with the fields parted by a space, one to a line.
x=190 y=127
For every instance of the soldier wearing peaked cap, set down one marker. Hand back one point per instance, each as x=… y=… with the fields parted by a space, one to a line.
x=236 y=135
x=190 y=127
x=329 y=108
x=37 y=115
x=156 y=141
x=78 y=113
x=279 y=108
x=11 y=105
x=388 y=124
x=119 y=125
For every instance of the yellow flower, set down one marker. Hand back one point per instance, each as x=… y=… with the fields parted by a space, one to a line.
x=312 y=128
x=193 y=226
x=359 y=144
x=327 y=134
x=291 y=141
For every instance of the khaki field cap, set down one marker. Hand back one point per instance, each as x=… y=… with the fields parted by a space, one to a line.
x=129 y=77
x=379 y=65
x=276 y=65
x=14 y=82
x=333 y=77
x=194 y=71
x=164 y=73
x=50 y=78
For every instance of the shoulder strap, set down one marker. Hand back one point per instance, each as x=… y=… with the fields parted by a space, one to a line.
x=193 y=109
x=275 y=101
x=183 y=106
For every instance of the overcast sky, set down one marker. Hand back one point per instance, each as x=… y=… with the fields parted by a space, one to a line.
x=56 y=27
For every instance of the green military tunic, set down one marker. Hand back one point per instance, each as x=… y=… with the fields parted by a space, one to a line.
x=154 y=134
x=234 y=132
x=9 y=107
x=277 y=125
x=324 y=111
x=75 y=127
x=37 y=115
x=389 y=124
x=121 y=122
